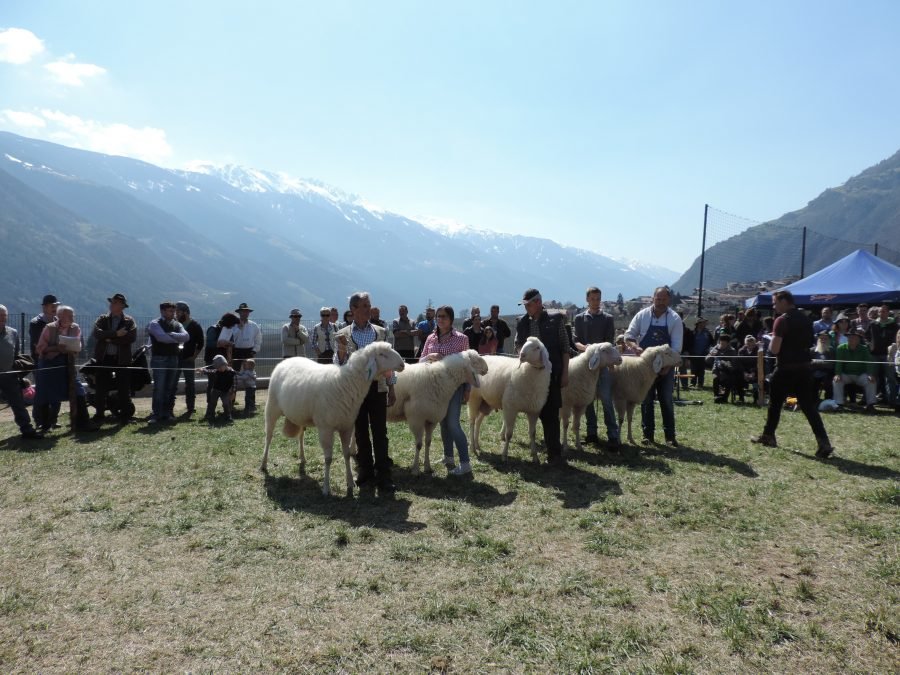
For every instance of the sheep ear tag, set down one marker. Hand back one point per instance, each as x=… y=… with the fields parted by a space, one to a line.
x=371 y=369
x=595 y=359
x=657 y=363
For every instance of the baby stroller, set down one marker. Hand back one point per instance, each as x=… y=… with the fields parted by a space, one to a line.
x=140 y=378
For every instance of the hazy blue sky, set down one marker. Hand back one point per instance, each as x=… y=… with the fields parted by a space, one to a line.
x=601 y=124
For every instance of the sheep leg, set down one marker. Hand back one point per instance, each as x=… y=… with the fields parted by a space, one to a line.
x=346 y=436
x=429 y=434
x=272 y=415
x=476 y=431
x=576 y=427
x=532 y=434
x=473 y=416
x=509 y=424
x=300 y=452
x=418 y=431
x=326 y=440
x=630 y=411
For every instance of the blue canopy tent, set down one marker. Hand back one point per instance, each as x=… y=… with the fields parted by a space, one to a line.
x=858 y=277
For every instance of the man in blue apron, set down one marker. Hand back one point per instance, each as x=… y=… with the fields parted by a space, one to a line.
x=653 y=326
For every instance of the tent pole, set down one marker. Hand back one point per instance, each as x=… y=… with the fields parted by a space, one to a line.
x=803 y=256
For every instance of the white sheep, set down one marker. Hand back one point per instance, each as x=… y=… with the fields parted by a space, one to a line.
x=584 y=371
x=632 y=380
x=513 y=386
x=327 y=397
x=424 y=391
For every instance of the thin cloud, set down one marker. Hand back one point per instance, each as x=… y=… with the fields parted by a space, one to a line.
x=67 y=71
x=26 y=120
x=18 y=45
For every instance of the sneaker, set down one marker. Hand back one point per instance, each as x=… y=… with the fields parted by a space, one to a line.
x=32 y=433
x=614 y=445
x=152 y=419
x=672 y=443
x=463 y=469
x=870 y=410
x=765 y=439
x=592 y=439
x=824 y=451
x=647 y=440
x=386 y=486
x=448 y=462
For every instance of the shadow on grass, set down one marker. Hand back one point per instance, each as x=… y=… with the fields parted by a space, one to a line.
x=91 y=436
x=304 y=493
x=855 y=468
x=685 y=453
x=468 y=490
x=629 y=456
x=576 y=489
x=18 y=444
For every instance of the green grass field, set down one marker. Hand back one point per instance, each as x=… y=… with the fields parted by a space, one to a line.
x=165 y=549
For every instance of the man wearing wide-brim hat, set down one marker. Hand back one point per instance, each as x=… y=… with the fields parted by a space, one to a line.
x=294 y=336
x=114 y=333
x=246 y=337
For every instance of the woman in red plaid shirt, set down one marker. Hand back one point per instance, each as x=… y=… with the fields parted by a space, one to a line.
x=443 y=341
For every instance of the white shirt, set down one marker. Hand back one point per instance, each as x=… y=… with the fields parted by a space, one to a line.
x=244 y=336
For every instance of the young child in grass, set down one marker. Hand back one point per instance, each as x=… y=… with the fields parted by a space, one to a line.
x=245 y=380
x=219 y=387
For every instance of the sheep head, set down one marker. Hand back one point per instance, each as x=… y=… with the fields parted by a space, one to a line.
x=380 y=360
x=663 y=356
x=534 y=353
x=602 y=355
x=477 y=367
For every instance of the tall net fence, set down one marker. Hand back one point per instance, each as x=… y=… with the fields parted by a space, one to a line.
x=768 y=252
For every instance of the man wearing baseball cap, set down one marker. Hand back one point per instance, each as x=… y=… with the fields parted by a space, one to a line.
x=190 y=350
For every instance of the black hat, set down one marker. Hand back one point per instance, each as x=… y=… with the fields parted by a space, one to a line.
x=183 y=307
x=243 y=305
x=530 y=295
x=296 y=312
x=49 y=299
x=119 y=297
x=724 y=336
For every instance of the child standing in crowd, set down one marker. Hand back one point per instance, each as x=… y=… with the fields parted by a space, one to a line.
x=245 y=380
x=220 y=386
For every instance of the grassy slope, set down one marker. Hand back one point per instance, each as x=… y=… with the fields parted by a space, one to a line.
x=166 y=549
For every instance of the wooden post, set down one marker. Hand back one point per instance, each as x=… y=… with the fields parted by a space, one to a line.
x=761 y=378
x=73 y=398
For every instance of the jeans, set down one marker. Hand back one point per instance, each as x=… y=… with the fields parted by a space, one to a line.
x=165 y=381
x=190 y=388
x=663 y=388
x=550 y=417
x=859 y=380
x=451 y=429
x=886 y=378
x=604 y=393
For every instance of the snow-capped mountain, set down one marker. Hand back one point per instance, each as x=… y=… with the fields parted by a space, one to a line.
x=278 y=241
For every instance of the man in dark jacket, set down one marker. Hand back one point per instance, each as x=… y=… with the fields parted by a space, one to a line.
x=114 y=333
x=551 y=330
x=880 y=335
